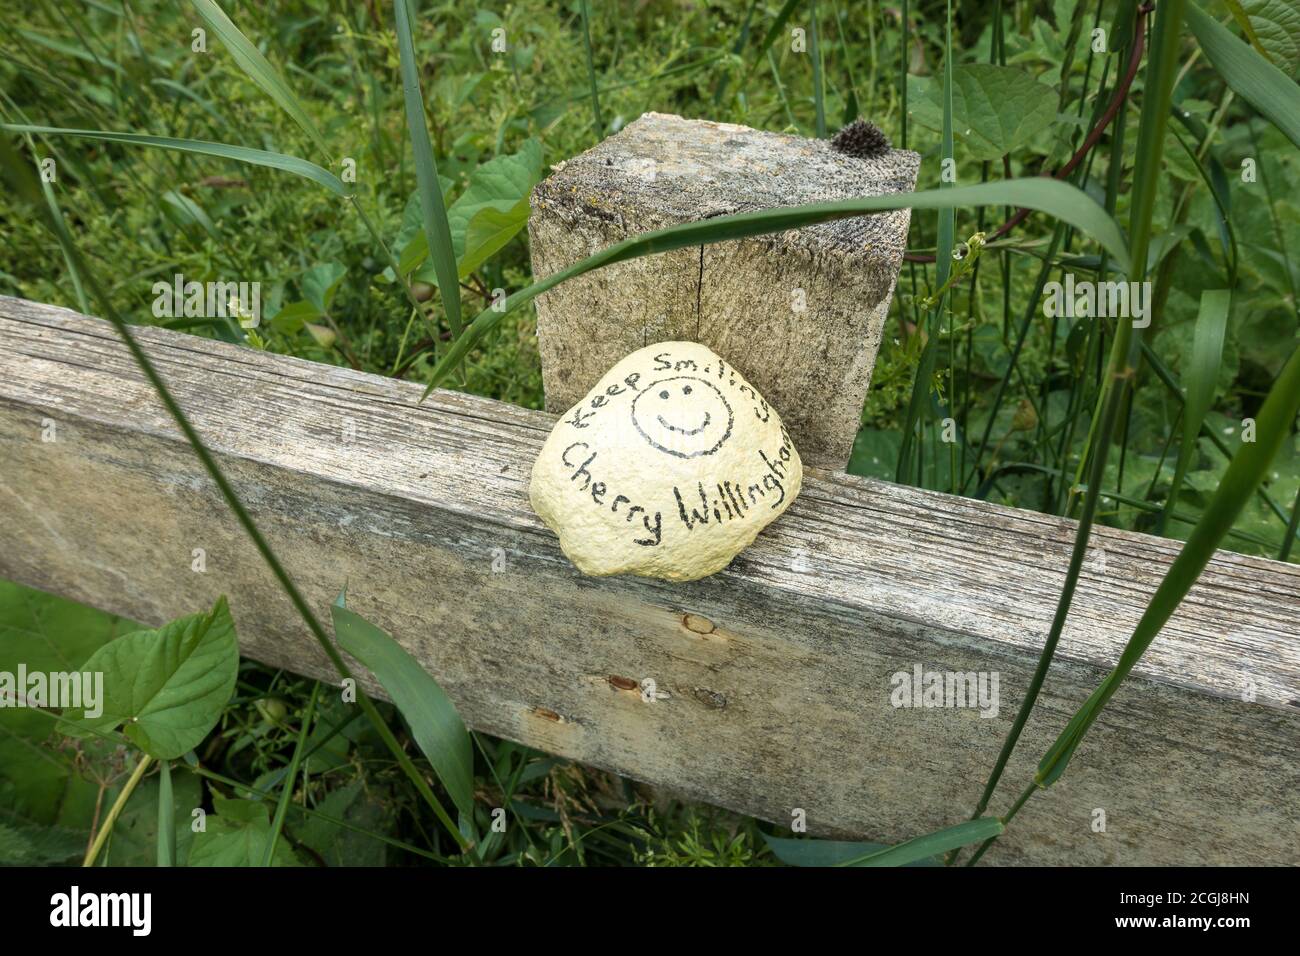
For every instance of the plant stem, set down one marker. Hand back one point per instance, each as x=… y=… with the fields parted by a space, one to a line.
x=286 y=790
x=106 y=827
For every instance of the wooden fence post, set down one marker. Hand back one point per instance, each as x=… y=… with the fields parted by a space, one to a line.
x=799 y=313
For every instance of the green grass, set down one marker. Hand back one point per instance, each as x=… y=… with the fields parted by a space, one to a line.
x=322 y=82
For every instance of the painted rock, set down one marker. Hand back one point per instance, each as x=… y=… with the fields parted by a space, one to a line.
x=667 y=468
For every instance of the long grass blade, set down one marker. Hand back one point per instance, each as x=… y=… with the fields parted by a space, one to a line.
x=1121 y=366
x=1201 y=378
x=166 y=816
x=924 y=378
x=774 y=30
x=1245 y=473
x=435 y=724
x=286 y=791
x=819 y=83
x=597 y=121
x=932 y=844
x=1251 y=76
x=257 y=68
x=433 y=205
x=24 y=188
x=1057 y=199
x=240 y=154
x=742 y=37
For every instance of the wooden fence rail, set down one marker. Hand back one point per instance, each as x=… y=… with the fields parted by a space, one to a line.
x=776 y=680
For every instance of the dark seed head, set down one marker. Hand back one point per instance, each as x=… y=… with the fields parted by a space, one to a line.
x=860 y=139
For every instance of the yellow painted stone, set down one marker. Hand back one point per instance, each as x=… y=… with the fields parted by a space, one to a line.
x=667 y=468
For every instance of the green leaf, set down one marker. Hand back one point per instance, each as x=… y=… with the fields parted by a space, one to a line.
x=1273 y=27
x=26 y=845
x=1201 y=377
x=487 y=233
x=493 y=208
x=1243 y=20
x=166 y=687
x=237 y=836
x=412 y=219
x=166 y=816
x=922 y=848
x=1065 y=202
x=187 y=212
x=292 y=317
x=995 y=109
x=434 y=723
x=501 y=185
x=43 y=785
x=432 y=202
x=135 y=832
x=240 y=154
x=819 y=852
x=1252 y=77
x=321 y=282
x=359 y=803
x=257 y=68
x=875 y=453
x=932 y=844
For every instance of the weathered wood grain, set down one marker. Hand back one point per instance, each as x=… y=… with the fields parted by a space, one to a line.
x=774 y=675
x=799 y=313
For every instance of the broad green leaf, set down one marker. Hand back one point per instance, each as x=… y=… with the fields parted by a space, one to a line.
x=1243 y=20
x=29 y=845
x=1274 y=27
x=434 y=723
x=487 y=233
x=497 y=198
x=321 y=282
x=503 y=185
x=240 y=154
x=875 y=453
x=995 y=109
x=1252 y=77
x=433 y=204
x=257 y=68
x=412 y=219
x=166 y=688
x=41 y=785
x=1058 y=199
x=237 y=835
x=359 y=803
x=292 y=317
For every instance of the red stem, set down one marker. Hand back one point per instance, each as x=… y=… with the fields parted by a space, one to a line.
x=1093 y=137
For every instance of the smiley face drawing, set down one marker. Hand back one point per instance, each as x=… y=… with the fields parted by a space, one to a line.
x=684 y=416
